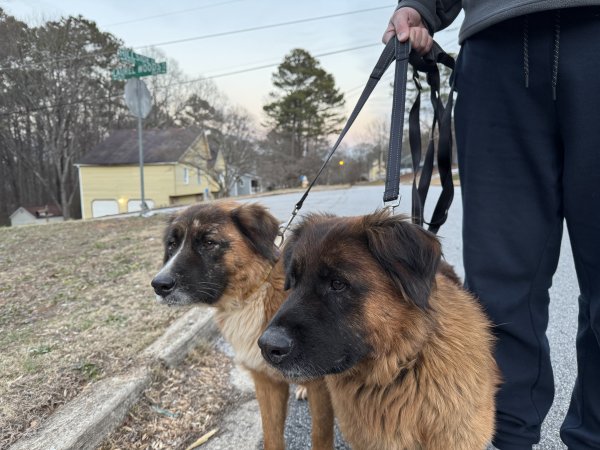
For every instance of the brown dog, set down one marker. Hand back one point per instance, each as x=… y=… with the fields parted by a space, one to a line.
x=407 y=353
x=222 y=254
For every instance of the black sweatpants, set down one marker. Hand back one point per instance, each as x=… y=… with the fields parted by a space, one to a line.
x=528 y=162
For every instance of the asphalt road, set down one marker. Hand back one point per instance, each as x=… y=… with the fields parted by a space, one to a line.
x=563 y=306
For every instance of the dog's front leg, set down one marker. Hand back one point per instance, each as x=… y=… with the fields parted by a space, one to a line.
x=272 y=396
x=321 y=412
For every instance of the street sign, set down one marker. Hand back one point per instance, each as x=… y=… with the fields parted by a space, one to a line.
x=128 y=56
x=139 y=70
x=146 y=69
x=136 y=65
x=138 y=98
x=123 y=73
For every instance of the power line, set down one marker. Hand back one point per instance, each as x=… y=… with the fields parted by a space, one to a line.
x=173 y=13
x=265 y=66
x=221 y=75
x=261 y=27
x=202 y=37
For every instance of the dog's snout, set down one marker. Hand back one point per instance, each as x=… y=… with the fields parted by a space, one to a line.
x=275 y=345
x=163 y=284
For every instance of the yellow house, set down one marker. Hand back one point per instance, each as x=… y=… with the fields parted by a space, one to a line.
x=178 y=169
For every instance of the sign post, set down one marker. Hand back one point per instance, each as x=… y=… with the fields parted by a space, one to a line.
x=137 y=96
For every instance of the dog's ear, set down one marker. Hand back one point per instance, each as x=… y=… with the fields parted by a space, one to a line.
x=258 y=227
x=409 y=254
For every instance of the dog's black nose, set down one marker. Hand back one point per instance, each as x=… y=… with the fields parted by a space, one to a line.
x=163 y=284
x=275 y=345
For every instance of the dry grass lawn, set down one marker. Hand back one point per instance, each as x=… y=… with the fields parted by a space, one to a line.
x=75 y=306
x=180 y=406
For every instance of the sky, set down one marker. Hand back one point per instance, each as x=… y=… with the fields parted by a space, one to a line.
x=142 y=23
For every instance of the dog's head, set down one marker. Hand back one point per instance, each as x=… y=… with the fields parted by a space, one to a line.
x=356 y=285
x=214 y=249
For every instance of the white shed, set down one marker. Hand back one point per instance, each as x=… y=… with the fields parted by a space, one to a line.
x=28 y=215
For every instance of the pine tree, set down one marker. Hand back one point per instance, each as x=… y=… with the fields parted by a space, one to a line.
x=306 y=106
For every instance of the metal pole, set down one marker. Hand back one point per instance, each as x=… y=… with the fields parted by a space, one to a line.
x=143 y=206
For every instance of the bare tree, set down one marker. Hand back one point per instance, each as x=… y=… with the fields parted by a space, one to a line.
x=174 y=93
x=59 y=101
x=233 y=149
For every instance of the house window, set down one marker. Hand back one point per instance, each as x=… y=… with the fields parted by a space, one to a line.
x=186 y=175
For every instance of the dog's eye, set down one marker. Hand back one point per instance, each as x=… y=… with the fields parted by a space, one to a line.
x=171 y=244
x=209 y=243
x=338 y=285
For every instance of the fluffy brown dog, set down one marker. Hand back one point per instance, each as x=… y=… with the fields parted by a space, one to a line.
x=407 y=353
x=222 y=254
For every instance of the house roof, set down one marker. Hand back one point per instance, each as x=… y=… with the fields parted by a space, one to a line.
x=41 y=212
x=160 y=146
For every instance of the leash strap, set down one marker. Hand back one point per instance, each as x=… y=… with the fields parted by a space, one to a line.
x=400 y=52
x=392 y=179
x=387 y=56
x=442 y=119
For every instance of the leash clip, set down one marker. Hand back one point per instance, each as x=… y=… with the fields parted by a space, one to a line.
x=283 y=228
x=391 y=205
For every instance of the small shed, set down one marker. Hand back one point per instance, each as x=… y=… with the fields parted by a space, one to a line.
x=28 y=215
x=245 y=184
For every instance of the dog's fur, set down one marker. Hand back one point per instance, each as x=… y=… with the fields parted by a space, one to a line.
x=407 y=353
x=223 y=254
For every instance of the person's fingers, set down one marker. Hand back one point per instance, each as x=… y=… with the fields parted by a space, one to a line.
x=416 y=40
x=406 y=23
x=429 y=43
x=426 y=41
x=420 y=40
x=400 y=23
x=389 y=33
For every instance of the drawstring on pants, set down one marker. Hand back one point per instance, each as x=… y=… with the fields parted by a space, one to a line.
x=526 y=51
x=555 y=53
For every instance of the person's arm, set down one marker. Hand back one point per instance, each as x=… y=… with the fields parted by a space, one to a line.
x=437 y=14
x=419 y=19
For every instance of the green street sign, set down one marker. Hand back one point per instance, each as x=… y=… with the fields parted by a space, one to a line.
x=151 y=68
x=129 y=56
x=139 y=70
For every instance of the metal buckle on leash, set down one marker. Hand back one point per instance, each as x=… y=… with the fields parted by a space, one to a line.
x=392 y=205
x=279 y=240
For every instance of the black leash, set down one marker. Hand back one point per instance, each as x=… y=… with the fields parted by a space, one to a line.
x=442 y=118
x=400 y=52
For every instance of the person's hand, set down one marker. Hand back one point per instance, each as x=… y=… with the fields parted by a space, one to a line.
x=406 y=23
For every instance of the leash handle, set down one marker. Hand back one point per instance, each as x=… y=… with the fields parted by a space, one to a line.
x=442 y=118
x=392 y=179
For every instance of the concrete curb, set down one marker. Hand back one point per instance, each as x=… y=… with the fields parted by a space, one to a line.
x=182 y=336
x=84 y=422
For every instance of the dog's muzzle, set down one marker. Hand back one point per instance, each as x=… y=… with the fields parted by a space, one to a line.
x=275 y=345
x=163 y=284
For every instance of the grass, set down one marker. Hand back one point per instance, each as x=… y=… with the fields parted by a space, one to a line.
x=180 y=405
x=75 y=306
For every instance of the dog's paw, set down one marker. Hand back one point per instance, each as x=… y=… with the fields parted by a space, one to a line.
x=301 y=392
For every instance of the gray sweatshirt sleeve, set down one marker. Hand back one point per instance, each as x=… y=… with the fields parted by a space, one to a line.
x=437 y=14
